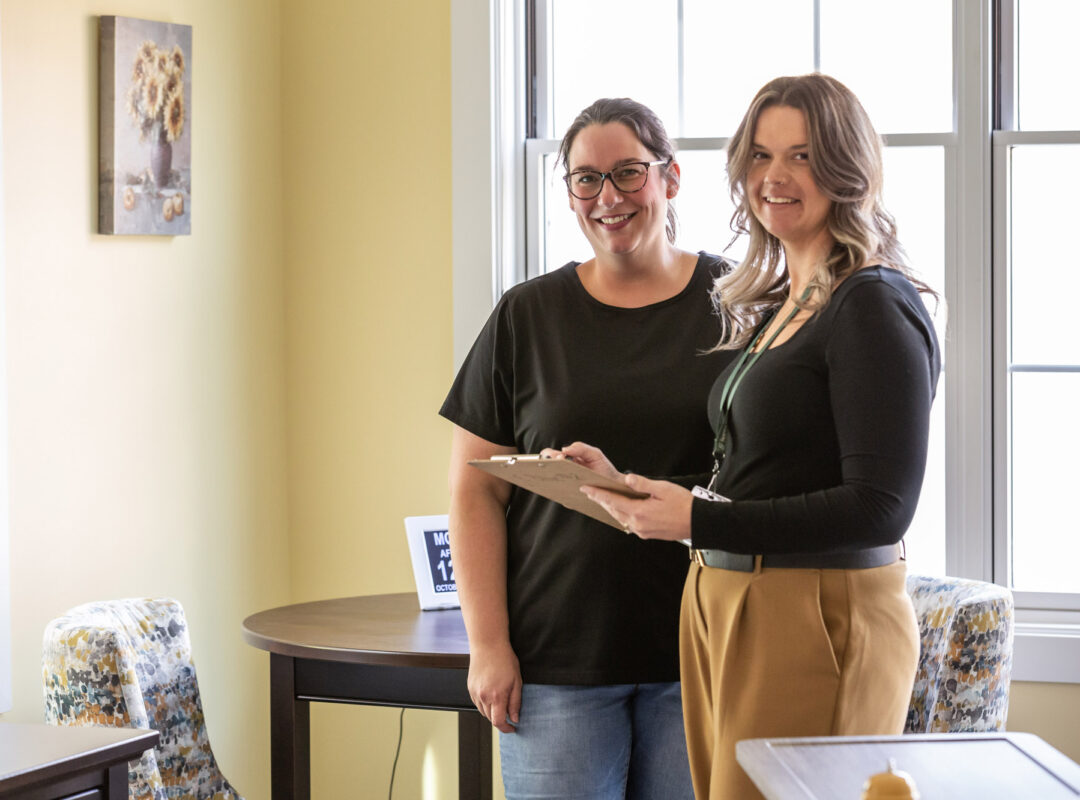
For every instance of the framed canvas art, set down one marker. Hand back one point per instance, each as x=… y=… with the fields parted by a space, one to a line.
x=144 y=127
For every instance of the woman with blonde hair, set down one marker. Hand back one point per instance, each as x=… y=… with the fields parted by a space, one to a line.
x=795 y=620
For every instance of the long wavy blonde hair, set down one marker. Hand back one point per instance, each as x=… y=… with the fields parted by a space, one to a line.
x=845 y=163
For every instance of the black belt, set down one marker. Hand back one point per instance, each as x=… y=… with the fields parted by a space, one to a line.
x=851 y=559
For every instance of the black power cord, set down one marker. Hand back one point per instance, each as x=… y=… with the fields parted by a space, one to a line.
x=393 y=770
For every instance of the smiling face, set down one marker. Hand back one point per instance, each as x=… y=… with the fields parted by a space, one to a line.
x=779 y=185
x=616 y=222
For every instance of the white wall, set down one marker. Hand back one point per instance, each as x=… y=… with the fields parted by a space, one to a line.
x=5 y=571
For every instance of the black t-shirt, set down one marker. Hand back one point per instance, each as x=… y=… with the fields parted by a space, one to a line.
x=828 y=431
x=587 y=603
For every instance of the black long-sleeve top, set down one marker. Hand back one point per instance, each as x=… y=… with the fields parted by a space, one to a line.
x=828 y=431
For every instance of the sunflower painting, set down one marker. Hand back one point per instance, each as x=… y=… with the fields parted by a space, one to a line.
x=145 y=127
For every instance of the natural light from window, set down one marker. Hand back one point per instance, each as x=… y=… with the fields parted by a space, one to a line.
x=1045 y=397
x=722 y=68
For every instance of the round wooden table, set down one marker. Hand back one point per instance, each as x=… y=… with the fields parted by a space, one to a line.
x=375 y=650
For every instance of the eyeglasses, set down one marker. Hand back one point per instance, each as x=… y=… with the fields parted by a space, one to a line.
x=585 y=184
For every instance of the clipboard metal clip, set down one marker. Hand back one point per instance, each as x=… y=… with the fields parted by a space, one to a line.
x=513 y=459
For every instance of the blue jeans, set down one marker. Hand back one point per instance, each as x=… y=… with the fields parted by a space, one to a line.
x=622 y=742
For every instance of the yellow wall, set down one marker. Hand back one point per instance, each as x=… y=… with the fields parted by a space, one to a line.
x=150 y=378
x=1051 y=710
x=366 y=101
x=146 y=374
x=241 y=418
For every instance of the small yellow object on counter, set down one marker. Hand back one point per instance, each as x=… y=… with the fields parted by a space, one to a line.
x=893 y=784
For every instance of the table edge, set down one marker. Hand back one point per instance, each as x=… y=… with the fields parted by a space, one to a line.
x=317 y=652
x=391 y=658
x=126 y=749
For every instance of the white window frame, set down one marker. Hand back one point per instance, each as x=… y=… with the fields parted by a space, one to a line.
x=494 y=165
x=1048 y=629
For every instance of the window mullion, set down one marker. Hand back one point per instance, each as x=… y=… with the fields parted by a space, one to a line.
x=1006 y=98
x=1002 y=379
x=539 y=46
x=968 y=356
x=1005 y=118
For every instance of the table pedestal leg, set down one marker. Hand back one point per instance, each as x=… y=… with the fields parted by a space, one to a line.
x=290 y=734
x=474 y=756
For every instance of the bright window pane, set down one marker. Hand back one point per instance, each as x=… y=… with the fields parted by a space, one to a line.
x=1047 y=64
x=1045 y=438
x=703 y=204
x=897 y=57
x=1044 y=282
x=1044 y=432
x=915 y=196
x=725 y=64
x=614 y=48
x=563 y=239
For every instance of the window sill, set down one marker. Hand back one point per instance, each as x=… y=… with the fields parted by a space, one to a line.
x=1047 y=650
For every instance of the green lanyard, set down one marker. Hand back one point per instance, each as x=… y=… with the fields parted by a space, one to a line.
x=746 y=360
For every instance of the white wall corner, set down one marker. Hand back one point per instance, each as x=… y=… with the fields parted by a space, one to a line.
x=5 y=561
x=473 y=167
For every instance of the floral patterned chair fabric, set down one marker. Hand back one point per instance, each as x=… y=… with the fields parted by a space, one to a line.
x=127 y=663
x=965 y=655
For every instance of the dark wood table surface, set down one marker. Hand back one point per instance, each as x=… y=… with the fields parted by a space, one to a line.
x=45 y=762
x=375 y=650
x=986 y=766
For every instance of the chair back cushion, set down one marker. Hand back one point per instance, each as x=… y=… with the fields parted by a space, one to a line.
x=128 y=663
x=965 y=656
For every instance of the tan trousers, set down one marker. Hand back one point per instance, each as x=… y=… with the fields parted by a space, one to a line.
x=790 y=652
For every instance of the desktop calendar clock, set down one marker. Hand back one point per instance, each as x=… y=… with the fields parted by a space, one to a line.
x=429 y=548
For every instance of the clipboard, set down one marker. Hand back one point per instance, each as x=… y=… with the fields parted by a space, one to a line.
x=556 y=479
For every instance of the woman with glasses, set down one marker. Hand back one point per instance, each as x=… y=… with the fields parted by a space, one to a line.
x=572 y=625
x=795 y=620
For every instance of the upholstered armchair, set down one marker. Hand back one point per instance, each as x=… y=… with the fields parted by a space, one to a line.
x=127 y=663
x=965 y=658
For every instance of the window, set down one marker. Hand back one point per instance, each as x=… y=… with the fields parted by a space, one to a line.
x=1037 y=144
x=981 y=139
x=690 y=62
